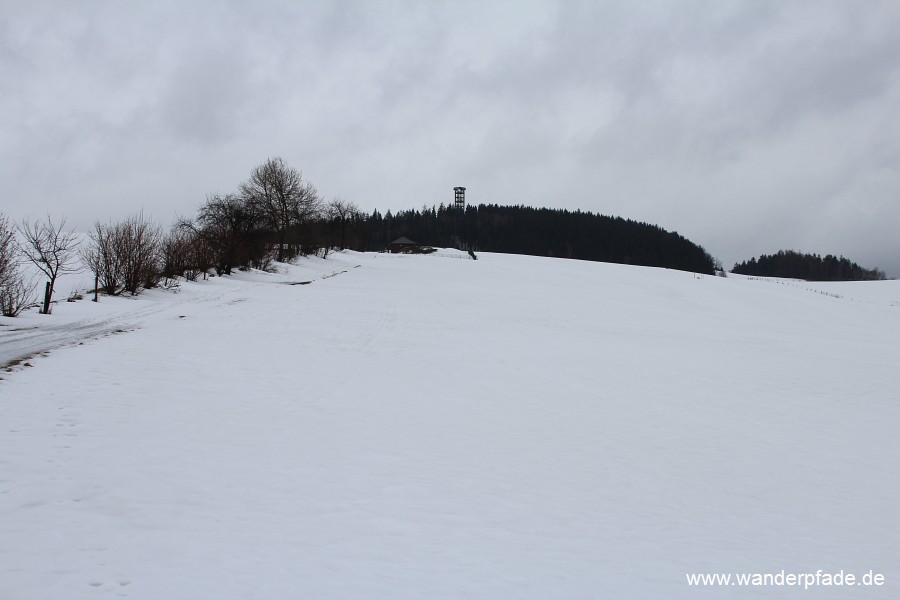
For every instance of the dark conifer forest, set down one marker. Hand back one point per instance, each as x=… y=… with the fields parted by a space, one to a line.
x=811 y=267
x=538 y=232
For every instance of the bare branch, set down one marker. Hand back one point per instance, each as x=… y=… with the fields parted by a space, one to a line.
x=16 y=293
x=341 y=211
x=9 y=256
x=280 y=196
x=50 y=248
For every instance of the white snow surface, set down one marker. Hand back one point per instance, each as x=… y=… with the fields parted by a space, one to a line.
x=410 y=427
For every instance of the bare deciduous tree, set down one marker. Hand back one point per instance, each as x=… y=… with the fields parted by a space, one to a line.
x=125 y=256
x=50 y=249
x=8 y=251
x=202 y=257
x=139 y=241
x=176 y=254
x=185 y=254
x=282 y=198
x=230 y=230
x=102 y=258
x=16 y=294
x=341 y=211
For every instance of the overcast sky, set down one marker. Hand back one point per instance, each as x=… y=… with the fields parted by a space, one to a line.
x=747 y=127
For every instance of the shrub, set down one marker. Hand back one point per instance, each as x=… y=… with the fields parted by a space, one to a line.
x=16 y=294
x=125 y=256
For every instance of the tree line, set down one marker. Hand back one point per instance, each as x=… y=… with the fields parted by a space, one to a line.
x=540 y=232
x=810 y=267
x=277 y=215
x=274 y=215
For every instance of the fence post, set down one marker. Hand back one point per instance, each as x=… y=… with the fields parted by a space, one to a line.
x=47 y=299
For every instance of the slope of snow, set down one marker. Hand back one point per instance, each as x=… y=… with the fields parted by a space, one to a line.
x=422 y=427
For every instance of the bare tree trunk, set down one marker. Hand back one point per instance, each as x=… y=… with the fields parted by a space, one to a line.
x=47 y=293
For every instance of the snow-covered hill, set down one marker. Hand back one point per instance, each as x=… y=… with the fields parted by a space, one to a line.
x=436 y=427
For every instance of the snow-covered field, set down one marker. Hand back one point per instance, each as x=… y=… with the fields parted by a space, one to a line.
x=422 y=427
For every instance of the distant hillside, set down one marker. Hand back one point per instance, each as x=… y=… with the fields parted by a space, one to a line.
x=811 y=267
x=541 y=232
